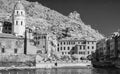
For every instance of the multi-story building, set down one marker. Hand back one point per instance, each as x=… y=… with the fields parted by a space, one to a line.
x=10 y=44
x=119 y=46
x=101 y=49
x=80 y=48
x=41 y=41
x=114 y=45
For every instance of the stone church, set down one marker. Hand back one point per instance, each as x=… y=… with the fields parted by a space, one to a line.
x=12 y=34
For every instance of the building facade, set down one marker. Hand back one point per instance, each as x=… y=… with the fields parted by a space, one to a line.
x=119 y=46
x=40 y=40
x=10 y=44
x=102 y=49
x=12 y=33
x=79 y=48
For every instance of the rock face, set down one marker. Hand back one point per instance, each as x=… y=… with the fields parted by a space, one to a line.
x=51 y=20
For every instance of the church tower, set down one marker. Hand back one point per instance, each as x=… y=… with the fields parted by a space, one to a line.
x=19 y=22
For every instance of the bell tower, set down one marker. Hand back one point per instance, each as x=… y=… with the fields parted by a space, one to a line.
x=18 y=27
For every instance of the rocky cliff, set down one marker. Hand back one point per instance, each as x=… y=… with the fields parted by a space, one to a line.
x=50 y=20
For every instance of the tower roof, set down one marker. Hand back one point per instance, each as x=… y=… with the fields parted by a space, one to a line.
x=19 y=6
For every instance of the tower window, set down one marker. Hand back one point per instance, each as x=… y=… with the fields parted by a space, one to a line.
x=17 y=12
x=16 y=22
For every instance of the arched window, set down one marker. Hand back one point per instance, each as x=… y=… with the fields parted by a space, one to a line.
x=17 y=12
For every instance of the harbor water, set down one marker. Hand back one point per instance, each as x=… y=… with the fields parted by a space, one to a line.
x=64 y=71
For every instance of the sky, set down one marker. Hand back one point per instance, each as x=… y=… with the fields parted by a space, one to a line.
x=102 y=15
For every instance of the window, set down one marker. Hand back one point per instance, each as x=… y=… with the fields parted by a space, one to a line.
x=68 y=52
x=92 y=42
x=88 y=52
x=69 y=43
x=78 y=42
x=3 y=50
x=80 y=47
x=61 y=43
x=73 y=42
x=68 y=48
x=21 y=22
x=63 y=53
x=15 y=50
x=43 y=46
x=16 y=22
x=83 y=47
x=72 y=52
x=21 y=13
x=58 y=49
x=61 y=48
x=44 y=37
x=88 y=42
x=38 y=37
x=92 y=47
x=88 y=47
x=64 y=43
x=64 y=48
x=17 y=12
x=9 y=28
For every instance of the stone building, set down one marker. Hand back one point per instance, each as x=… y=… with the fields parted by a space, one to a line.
x=114 y=45
x=10 y=44
x=44 y=41
x=101 y=48
x=12 y=33
x=81 y=48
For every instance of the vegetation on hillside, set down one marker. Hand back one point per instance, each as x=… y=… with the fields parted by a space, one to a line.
x=50 y=20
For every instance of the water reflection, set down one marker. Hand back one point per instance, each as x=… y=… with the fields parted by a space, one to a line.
x=64 y=71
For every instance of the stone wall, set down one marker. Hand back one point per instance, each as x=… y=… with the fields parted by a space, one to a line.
x=8 y=46
x=17 y=60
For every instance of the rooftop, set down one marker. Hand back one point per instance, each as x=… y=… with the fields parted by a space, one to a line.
x=4 y=35
x=19 y=6
x=74 y=39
